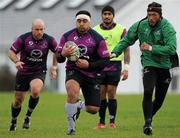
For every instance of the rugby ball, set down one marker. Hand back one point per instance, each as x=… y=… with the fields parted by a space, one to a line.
x=76 y=54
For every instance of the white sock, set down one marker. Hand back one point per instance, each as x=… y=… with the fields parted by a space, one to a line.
x=81 y=105
x=71 y=109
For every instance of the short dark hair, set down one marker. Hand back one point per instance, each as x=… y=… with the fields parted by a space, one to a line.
x=108 y=8
x=83 y=12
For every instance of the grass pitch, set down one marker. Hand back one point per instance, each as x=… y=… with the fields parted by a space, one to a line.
x=49 y=119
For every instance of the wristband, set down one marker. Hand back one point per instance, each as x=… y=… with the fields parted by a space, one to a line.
x=126 y=67
x=150 y=48
x=113 y=55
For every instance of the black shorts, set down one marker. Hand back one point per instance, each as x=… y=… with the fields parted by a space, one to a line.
x=111 y=78
x=23 y=81
x=90 y=86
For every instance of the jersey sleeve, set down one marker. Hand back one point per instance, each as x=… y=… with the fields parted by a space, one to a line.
x=61 y=43
x=17 y=45
x=102 y=49
x=129 y=39
x=54 y=46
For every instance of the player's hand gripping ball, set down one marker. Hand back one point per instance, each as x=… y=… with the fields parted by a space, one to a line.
x=76 y=54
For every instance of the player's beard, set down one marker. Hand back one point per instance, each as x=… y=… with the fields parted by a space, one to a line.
x=108 y=22
x=153 y=24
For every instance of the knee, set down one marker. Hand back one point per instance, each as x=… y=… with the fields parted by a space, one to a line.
x=72 y=94
x=111 y=95
x=148 y=89
x=72 y=98
x=36 y=86
x=18 y=102
x=35 y=94
x=103 y=95
x=35 y=91
x=147 y=96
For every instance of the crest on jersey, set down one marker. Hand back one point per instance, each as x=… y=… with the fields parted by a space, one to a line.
x=31 y=43
x=75 y=38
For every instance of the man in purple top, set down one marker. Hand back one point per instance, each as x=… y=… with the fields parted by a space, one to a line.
x=31 y=68
x=85 y=73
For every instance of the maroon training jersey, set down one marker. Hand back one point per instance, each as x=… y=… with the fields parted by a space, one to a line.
x=33 y=52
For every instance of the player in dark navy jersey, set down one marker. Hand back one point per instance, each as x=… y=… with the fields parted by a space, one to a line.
x=31 y=68
x=85 y=73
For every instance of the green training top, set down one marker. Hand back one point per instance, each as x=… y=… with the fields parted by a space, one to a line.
x=161 y=37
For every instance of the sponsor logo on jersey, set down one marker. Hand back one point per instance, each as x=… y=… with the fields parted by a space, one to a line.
x=82 y=49
x=36 y=55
